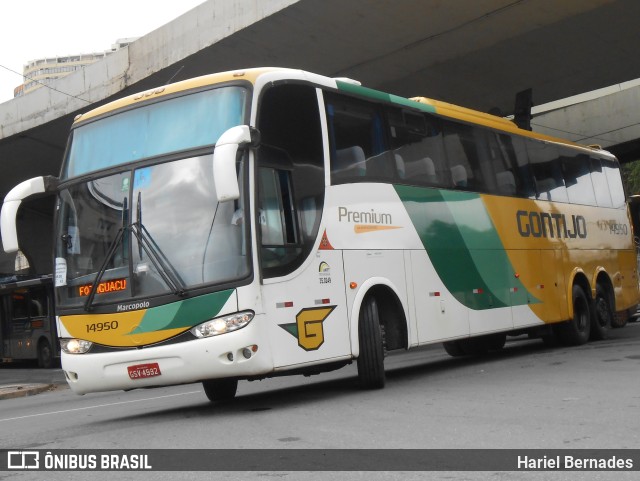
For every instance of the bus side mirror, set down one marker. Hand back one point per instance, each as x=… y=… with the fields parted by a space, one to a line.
x=12 y=201
x=224 y=160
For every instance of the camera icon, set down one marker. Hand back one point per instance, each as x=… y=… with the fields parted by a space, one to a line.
x=23 y=460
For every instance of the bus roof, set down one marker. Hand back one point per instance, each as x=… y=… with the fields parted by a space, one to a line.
x=251 y=75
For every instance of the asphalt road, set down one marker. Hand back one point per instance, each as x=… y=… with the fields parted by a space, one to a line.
x=527 y=396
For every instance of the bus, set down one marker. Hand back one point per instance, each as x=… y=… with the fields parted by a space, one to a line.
x=268 y=221
x=27 y=321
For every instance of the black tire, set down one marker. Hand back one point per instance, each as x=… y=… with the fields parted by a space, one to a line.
x=496 y=342
x=478 y=346
x=602 y=315
x=454 y=348
x=576 y=331
x=220 y=390
x=45 y=354
x=371 y=340
x=550 y=339
x=618 y=321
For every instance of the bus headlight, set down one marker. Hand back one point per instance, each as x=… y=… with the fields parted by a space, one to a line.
x=222 y=325
x=75 y=346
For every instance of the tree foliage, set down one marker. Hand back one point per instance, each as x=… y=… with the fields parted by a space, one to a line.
x=631 y=177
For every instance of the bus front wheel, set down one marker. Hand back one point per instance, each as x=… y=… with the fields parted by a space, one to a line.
x=371 y=339
x=220 y=390
x=576 y=331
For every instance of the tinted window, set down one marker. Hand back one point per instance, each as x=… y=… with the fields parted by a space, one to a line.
x=461 y=144
x=547 y=171
x=514 y=149
x=577 y=177
x=600 y=184
x=358 y=141
x=612 y=172
x=418 y=148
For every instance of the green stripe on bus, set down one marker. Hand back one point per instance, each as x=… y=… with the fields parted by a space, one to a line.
x=186 y=313
x=382 y=96
x=464 y=246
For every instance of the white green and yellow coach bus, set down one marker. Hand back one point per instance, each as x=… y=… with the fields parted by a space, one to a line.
x=255 y=223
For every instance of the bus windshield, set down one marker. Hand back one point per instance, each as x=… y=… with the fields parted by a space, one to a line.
x=148 y=230
x=171 y=236
x=180 y=123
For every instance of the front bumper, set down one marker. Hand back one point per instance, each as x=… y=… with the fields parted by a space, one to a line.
x=179 y=363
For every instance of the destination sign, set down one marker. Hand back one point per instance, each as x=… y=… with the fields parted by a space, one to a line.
x=105 y=287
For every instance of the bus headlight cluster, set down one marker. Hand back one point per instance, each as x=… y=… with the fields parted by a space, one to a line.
x=75 y=346
x=222 y=325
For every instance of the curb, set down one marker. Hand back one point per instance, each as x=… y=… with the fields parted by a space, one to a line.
x=10 y=391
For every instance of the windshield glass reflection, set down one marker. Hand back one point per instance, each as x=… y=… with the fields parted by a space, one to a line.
x=155 y=231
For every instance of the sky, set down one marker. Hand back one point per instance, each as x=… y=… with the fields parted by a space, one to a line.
x=46 y=28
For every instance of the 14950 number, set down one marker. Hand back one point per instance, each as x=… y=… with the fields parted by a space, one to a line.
x=102 y=326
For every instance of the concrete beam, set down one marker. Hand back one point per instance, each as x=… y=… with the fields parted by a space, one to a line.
x=607 y=117
x=197 y=29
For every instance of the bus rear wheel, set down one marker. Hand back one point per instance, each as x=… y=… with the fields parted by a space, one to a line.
x=576 y=331
x=475 y=346
x=220 y=390
x=602 y=316
x=371 y=340
x=454 y=348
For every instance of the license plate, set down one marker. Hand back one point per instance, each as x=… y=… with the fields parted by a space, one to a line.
x=141 y=371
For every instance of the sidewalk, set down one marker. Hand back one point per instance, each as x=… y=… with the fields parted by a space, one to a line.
x=25 y=379
x=10 y=391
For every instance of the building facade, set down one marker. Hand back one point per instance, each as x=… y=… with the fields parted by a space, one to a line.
x=44 y=71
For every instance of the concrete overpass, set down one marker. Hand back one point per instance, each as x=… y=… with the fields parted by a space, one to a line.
x=478 y=54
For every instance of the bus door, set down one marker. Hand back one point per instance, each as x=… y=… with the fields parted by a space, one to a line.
x=303 y=292
x=307 y=313
x=302 y=286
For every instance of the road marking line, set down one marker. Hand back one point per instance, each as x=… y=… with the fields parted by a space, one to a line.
x=100 y=406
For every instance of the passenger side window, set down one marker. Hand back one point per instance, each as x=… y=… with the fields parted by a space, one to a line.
x=359 y=150
x=612 y=172
x=600 y=185
x=461 y=144
x=514 y=149
x=547 y=172
x=418 y=149
x=577 y=177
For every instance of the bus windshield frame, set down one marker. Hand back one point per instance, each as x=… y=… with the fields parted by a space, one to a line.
x=143 y=221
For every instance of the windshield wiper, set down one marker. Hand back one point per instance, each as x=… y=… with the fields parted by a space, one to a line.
x=168 y=273
x=103 y=267
x=158 y=258
x=146 y=243
x=110 y=253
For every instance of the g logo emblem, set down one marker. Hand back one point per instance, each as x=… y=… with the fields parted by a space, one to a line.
x=309 y=328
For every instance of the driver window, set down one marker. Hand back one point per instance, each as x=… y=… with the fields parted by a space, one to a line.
x=271 y=208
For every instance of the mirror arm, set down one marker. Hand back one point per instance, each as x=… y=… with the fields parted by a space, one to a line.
x=12 y=201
